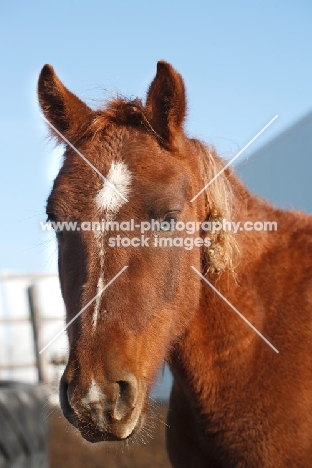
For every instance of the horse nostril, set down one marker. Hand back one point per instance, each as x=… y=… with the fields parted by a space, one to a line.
x=127 y=391
x=63 y=393
x=65 y=402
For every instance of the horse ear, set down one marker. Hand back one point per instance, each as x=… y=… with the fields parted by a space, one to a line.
x=166 y=103
x=65 y=111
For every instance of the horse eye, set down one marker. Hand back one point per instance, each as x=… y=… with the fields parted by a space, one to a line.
x=59 y=234
x=50 y=217
x=168 y=223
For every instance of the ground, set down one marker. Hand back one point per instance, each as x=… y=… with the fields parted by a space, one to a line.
x=68 y=449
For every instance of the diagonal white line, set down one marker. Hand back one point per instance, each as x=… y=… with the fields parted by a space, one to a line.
x=235 y=157
x=84 y=308
x=235 y=310
x=112 y=186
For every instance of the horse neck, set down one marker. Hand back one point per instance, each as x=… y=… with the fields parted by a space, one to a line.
x=218 y=341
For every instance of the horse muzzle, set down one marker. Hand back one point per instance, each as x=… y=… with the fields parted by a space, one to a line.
x=107 y=412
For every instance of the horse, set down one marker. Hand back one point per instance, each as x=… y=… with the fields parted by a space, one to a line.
x=229 y=312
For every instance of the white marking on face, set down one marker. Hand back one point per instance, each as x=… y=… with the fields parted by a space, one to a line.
x=108 y=203
x=99 y=287
x=99 y=239
x=94 y=394
x=107 y=199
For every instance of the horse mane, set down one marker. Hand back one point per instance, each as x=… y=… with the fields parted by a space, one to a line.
x=219 y=206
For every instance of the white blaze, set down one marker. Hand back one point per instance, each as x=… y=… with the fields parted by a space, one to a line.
x=108 y=202
x=100 y=286
x=107 y=199
x=94 y=394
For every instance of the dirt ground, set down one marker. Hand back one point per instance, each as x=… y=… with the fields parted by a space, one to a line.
x=69 y=450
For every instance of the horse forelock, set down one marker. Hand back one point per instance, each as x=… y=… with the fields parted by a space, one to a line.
x=126 y=112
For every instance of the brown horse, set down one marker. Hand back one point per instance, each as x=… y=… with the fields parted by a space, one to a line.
x=235 y=402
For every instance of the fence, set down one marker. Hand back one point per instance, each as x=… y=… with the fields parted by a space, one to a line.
x=31 y=314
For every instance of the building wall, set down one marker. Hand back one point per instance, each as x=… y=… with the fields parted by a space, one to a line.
x=281 y=171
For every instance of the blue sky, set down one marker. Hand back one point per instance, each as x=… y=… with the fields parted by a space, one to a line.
x=242 y=62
